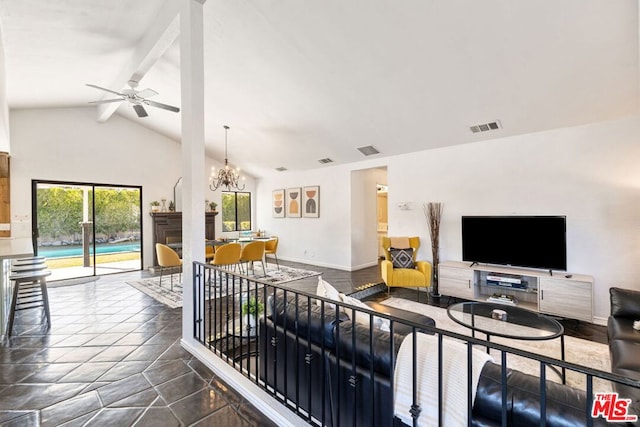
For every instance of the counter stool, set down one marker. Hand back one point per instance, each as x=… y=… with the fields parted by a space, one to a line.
x=28 y=267
x=26 y=294
x=31 y=258
x=27 y=262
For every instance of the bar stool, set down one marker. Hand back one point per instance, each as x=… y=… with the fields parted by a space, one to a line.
x=26 y=294
x=31 y=258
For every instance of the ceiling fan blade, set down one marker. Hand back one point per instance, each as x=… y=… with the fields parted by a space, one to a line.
x=105 y=89
x=106 y=101
x=140 y=111
x=147 y=93
x=163 y=106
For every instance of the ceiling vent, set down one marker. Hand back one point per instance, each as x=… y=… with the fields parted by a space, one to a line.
x=485 y=127
x=281 y=169
x=325 y=161
x=368 y=150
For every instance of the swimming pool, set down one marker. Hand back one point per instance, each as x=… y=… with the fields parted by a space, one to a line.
x=75 y=250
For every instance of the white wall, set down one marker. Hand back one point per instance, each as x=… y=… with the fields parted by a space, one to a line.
x=4 y=108
x=70 y=145
x=588 y=173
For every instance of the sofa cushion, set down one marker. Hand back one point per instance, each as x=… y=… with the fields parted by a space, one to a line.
x=361 y=317
x=410 y=316
x=625 y=354
x=305 y=318
x=565 y=406
x=402 y=258
x=326 y=290
x=625 y=303
x=376 y=351
x=621 y=328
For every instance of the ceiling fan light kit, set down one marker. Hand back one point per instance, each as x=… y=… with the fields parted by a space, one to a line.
x=226 y=177
x=137 y=98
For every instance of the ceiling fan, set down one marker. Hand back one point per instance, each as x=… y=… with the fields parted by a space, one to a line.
x=137 y=98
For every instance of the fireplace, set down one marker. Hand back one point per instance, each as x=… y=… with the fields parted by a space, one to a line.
x=167 y=228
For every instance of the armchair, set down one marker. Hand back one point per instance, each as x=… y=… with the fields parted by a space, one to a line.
x=415 y=274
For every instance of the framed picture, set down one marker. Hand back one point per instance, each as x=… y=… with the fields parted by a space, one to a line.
x=311 y=202
x=277 y=203
x=294 y=202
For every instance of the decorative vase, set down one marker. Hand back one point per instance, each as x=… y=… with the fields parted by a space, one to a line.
x=433 y=213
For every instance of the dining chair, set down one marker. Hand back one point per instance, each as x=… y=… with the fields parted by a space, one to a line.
x=227 y=255
x=252 y=252
x=270 y=248
x=209 y=252
x=167 y=258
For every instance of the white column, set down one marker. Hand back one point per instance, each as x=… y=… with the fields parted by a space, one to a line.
x=192 y=86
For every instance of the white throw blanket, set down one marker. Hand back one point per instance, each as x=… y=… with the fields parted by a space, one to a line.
x=454 y=370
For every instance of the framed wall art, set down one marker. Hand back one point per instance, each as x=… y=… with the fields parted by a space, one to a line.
x=294 y=202
x=277 y=204
x=311 y=202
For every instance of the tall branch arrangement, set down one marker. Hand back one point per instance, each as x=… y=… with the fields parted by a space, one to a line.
x=433 y=214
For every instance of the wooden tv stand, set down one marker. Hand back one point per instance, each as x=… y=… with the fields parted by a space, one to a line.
x=558 y=294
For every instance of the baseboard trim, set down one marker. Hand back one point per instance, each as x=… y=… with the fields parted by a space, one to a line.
x=262 y=401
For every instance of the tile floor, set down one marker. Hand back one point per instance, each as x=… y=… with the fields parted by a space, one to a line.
x=111 y=357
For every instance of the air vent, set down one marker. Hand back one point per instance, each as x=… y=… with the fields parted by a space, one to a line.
x=325 y=161
x=281 y=169
x=485 y=127
x=368 y=150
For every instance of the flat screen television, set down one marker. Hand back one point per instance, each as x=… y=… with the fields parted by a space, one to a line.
x=521 y=241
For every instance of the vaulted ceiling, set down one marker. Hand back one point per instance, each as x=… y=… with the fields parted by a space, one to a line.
x=299 y=81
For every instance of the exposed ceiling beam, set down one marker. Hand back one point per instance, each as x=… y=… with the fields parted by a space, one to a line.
x=158 y=38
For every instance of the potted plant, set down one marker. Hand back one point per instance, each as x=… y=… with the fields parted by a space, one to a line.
x=251 y=309
x=213 y=206
x=172 y=206
x=155 y=206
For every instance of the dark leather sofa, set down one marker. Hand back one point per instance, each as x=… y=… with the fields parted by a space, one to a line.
x=624 y=341
x=314 y=356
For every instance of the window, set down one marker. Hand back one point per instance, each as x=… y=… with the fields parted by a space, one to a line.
x=236 y=211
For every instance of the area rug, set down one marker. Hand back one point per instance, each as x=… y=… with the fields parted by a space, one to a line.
x=163 y=293
x=578 y=351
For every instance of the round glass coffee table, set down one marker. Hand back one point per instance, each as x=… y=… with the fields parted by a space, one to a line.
x=508 y=321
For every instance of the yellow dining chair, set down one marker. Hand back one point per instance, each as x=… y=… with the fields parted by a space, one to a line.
x=270 y=248
x=252 y=252
x=167 y=258
x=209 y=252
x=400 y=268
x=227 y=255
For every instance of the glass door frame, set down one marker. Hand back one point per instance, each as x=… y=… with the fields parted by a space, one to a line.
x=93 y=185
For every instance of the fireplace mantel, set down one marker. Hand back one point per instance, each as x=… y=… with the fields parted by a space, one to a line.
x=169 y=225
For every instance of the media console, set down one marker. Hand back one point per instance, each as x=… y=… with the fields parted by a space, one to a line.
x=560 y=294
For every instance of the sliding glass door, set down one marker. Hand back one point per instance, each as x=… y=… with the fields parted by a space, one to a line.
x=87 y=229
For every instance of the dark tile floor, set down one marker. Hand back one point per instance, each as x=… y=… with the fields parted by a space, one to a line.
x=113 y=357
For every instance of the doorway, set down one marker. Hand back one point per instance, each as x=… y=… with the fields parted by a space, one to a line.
x=86 y=229
x=382 y=192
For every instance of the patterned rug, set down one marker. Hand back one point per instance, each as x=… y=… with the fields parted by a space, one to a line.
x=578 y=351
x=162 y=292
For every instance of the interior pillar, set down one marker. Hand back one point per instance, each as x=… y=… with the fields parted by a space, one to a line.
x=193 y=153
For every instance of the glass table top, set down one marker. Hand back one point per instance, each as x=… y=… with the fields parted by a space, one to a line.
x=517 y=323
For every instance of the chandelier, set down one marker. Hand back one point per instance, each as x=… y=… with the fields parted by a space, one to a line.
x=226 y=177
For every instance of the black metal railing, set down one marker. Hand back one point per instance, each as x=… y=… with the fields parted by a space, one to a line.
x=303 y=350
